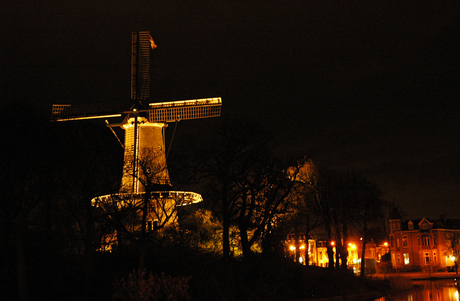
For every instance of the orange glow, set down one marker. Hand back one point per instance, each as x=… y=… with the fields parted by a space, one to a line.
x=332 y=243
x=292 y=248
x=385 y=244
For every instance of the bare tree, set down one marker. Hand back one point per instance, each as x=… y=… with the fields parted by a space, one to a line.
x=303 y=219
x=453 y=246
x=266 y=197
x=140 y=218
x=345 y=202
x=368 y=210
x=316 y=192
x=237 y=148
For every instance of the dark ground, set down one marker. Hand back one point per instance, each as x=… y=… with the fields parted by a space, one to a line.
x=261 y=278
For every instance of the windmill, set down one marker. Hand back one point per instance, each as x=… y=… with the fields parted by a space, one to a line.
x=144 y=126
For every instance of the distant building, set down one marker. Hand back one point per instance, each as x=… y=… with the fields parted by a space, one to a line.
x=307 y=248
x=314 y=252
x=424 y=244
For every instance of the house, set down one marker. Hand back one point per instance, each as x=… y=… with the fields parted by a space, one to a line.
x=307 y=248
x=316 y=251
x=424 y=244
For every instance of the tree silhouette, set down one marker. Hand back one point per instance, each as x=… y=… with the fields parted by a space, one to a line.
x=236 y=149
x=368 y=210
x=140 y=219
x=249 y=183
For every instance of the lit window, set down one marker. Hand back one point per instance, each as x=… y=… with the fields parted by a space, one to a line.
x=406 y=258
x=427 y=258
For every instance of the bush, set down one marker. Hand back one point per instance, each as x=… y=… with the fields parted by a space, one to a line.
x=384 y=267
x=142 y=287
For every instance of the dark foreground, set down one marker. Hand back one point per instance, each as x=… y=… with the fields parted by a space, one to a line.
x=195 y=275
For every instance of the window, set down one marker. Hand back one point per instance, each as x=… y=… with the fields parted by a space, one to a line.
x=406 y=258
x=392 y=242
x=404 y=241
x=397 y=243
x=149 y=226
x=411 y=225
x=427 y=258
x=434 y=257
x=425 y=226
x=426 y=240
x=398 y=259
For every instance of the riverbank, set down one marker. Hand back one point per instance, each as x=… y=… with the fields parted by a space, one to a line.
x=389 y=283
x=418 y=275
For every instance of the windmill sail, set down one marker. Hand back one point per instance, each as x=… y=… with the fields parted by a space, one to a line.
x=185 y=110
x=65 y=112
x=140 y=66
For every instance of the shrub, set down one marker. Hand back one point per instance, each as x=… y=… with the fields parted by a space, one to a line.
x=142 y=287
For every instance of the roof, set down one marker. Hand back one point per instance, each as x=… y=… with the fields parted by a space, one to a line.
x=441 y=223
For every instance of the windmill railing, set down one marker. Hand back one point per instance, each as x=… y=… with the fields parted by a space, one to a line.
x=182 y=198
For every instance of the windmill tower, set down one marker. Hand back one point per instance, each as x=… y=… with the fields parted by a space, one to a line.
x=144 y=125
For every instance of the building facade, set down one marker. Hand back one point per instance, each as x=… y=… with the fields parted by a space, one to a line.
x=314 y=252
x=424 y=244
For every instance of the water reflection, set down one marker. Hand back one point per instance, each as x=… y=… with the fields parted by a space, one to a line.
x=426 y=290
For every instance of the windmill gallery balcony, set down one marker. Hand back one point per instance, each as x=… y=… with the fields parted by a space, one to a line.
x=159 y=207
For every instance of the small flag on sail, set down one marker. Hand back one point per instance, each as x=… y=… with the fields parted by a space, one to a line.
x=152 y=43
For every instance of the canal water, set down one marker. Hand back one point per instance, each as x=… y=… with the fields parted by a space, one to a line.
x=428 y=290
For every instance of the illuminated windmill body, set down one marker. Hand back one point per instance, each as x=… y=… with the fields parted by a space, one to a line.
x=144 y=155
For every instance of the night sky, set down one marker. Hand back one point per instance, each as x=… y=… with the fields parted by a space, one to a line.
x=365 y=86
